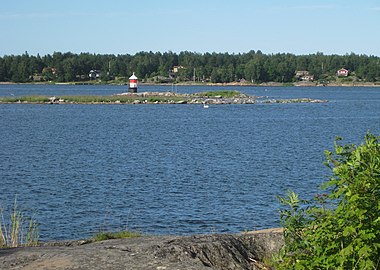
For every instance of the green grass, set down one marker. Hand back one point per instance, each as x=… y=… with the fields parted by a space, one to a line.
x=221 y=93
x=31 y=99
x=123 y=98
x=19 y=230
x=115 y=235
x=94 y=99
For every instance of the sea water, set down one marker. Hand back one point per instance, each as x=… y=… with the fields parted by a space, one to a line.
x=170 y=169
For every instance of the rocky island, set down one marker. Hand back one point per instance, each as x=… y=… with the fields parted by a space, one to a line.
x=213 y=97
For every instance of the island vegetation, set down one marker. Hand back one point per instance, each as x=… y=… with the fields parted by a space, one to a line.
x=253 y=67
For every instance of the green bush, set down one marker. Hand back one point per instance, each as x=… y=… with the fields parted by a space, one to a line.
x=339 y=229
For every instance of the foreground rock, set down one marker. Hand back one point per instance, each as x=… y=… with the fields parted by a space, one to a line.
x=243 y=251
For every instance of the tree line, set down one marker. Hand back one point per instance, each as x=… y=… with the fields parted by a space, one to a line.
x=253 y=66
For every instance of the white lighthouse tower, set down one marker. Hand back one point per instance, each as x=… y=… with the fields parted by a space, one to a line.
x=133 y=83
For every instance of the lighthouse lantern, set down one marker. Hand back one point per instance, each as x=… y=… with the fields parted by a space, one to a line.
x=133 y=83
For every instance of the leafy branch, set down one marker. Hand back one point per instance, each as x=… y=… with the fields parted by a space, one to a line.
x=340 y=229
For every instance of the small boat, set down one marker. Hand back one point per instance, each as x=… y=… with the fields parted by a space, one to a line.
x=205 y=105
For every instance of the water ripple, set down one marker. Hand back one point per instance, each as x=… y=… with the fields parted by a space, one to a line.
x=175 y=169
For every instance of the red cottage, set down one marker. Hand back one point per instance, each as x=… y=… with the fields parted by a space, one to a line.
x=342 y=72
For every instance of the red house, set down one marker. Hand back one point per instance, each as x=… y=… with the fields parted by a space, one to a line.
x=342 y=72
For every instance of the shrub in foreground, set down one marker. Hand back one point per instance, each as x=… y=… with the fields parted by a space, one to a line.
x=339 y=229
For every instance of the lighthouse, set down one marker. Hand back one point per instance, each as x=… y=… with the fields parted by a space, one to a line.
x=133 y=83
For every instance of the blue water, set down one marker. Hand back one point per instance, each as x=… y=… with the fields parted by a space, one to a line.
x=170 y=169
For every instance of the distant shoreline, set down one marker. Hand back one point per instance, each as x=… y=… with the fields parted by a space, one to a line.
x=266 y=84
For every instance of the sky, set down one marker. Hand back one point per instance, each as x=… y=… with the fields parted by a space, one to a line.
x=236 y=26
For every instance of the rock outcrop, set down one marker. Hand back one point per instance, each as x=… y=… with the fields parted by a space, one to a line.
x=226 y=251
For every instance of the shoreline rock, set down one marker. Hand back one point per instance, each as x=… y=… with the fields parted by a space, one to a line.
x=223 y=251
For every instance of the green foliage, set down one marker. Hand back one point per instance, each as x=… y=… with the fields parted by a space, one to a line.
x=115 y=235
x=90 y=99
x=31 y=99
x=339 y=229
x=78 y=99
x=121 y=98
x=19 y=230
x=253 y=66
x=221 y=93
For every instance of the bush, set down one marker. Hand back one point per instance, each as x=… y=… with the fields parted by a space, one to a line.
x=339 y=229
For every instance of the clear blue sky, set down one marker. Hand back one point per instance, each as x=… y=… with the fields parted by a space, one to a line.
x=125 y=26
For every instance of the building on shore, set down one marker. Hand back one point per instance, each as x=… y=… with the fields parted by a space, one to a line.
x=342 y=72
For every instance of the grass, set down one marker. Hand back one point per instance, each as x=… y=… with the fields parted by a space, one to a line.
x=119 y=99
x=221 y=93
x=31 y=99
x=126 y=99
x=115 y=235
x=94 y=99
x=19 y=230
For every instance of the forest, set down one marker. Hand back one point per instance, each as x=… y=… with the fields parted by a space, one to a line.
x=169 y=67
